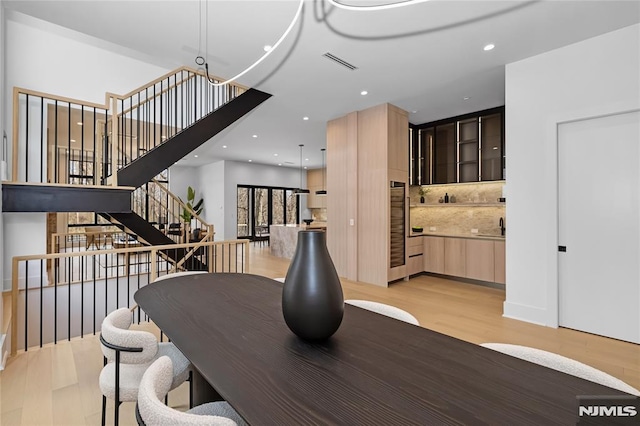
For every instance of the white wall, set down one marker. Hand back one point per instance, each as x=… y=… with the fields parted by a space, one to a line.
x=592 y=78
x=2 y=129
x=217 y=184
x=24 y=234
x=51 y=59
x=211 y=189
x=180 y=178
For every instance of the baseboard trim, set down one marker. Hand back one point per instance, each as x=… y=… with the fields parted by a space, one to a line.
x=525 y=313
x=462 y=280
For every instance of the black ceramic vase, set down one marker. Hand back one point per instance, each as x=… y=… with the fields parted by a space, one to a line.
x=312 y=300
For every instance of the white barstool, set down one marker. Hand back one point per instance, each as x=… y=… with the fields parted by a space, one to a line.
x=383 y=309
x=563 y=364
x=150 y=410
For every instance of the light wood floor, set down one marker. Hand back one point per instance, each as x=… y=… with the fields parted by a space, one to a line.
x=58 y=385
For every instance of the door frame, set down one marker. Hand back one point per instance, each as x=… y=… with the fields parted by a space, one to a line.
x=553 y=213
x=251 y=231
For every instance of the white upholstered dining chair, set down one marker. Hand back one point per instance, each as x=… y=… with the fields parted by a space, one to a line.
x=127 y=354
x=150 y=411
x=178 y=274
x=563 y=364
x=384 y=309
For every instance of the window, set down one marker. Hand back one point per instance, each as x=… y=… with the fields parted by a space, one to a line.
x=258 y=207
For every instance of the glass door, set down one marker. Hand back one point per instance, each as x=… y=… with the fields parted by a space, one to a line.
x=243 y=212
x=259 y=207
x=277 y=207
x=261 y=214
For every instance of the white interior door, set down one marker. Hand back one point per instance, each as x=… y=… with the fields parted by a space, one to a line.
x=599 y=224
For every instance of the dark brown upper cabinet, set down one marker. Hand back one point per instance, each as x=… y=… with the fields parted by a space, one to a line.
x=467 y=148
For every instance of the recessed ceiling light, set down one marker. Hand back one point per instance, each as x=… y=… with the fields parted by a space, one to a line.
x=495 y=147
x=305 y=118
x=305 y=167
x=224 y=146
x=414 y=111
x=267 y=47
x=195 y=156
x=73 y=140
x=306 y=159
x=275 y=155
x=255 y=136
x=489 y=46
x=79 y=123
x=279 y=164
x=250 y=161
x=466 y=98
x=364 y=92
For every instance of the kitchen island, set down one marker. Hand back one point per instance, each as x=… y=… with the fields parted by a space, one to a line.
x=283 y=238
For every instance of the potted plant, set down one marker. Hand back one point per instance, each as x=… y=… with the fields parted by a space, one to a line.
x=192 y=206
x=423 y=191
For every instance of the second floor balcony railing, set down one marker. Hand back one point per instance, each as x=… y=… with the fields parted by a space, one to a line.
x=56 y=139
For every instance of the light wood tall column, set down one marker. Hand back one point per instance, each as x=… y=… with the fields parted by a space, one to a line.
x=365 y=151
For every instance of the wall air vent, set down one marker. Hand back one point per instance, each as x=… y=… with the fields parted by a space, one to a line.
x=340 y=61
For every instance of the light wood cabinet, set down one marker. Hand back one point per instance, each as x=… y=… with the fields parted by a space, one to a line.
x=499 y=253
x=433 y=254
x=366 y=151
x=415 y=249
x=480 y=260
x=415 y=246
x=415 y=264
x=315 y=183
x=455 y=257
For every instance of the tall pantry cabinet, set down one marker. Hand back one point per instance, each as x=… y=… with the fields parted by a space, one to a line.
x=367 y=155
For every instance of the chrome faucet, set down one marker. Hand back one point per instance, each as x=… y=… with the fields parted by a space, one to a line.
x=502 y=228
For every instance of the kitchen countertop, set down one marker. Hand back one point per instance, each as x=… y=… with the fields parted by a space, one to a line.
x=455 y=235
x=284 y=238
x=313 y=225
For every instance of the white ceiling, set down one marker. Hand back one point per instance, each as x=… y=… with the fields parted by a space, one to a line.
x=425 y=57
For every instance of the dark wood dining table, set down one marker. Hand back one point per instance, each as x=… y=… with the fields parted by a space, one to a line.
x=374 y=370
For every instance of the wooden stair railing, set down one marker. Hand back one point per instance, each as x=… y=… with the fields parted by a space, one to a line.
x=94 y=137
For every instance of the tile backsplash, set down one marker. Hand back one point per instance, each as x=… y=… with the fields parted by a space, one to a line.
x=476 y=206
x=319 y=214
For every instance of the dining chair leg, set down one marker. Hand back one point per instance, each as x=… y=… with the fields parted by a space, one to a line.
x=104 y=410
x=190 y=389
x=116 y=415
x=117 y=401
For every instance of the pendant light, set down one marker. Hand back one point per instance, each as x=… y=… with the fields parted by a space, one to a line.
x=300 y=190
x=323 y=191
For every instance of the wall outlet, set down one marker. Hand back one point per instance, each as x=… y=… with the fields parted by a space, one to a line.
x=432 y=228
x=352 y=222
x=474 y=231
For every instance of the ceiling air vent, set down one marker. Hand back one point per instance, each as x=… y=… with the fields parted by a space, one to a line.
x=340 y=61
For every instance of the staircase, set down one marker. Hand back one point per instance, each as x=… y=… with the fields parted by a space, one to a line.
x=153 y=162
x=138 y=135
